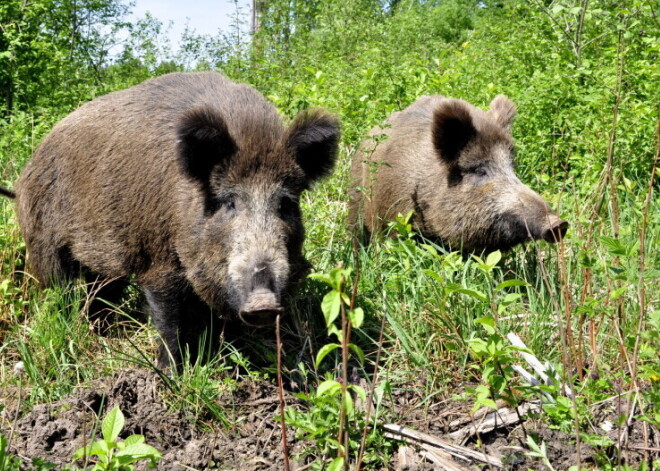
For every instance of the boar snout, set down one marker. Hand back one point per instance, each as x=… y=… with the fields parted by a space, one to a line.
x=261 y=302
x=555 y=229
x=260 y=309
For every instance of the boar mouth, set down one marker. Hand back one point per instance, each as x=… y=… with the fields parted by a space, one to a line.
x=260 y=309
x=555 y=232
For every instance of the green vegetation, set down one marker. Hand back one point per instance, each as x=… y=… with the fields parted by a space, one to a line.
x=114 y=455
x=586 y=79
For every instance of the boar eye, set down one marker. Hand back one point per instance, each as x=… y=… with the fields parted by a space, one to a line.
x=226 y=203
x=478 y=170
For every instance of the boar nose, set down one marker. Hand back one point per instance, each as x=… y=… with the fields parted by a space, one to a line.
x=262 y=304
x=260 y=276
x=555 y=230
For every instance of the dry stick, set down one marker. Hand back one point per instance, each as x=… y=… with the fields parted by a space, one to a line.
x=280 y=390
x=614 y=202
x=564 y=346
x=343 y=419
x=371 y=395
x=415 y=437
x=641 y=290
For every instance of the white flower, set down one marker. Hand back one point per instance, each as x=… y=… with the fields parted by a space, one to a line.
x=19 y=368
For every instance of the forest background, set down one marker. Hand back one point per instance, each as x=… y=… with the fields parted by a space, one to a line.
x=585 y=76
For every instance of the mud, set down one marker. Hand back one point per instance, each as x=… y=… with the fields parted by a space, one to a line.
x=253 y=442
x=250 y=438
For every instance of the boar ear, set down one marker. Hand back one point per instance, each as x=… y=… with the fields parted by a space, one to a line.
x=503 y=110
x=204 y=142
x=313 y=138
x=452 y=129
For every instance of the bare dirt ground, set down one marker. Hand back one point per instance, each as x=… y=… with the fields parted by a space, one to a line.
x=253 y=440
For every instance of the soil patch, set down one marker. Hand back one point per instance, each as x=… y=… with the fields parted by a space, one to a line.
x=253 y=442
x=252 y=438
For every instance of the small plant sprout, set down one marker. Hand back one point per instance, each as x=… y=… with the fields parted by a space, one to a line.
x=114 y=455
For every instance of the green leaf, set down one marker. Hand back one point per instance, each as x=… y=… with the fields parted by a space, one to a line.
x=333 y=330
x=614 y=246
x=321 y=277
x=509 y=283
x=493 y=258
x=323 y=352
x=138 y=451
x=359 y=391
x=337 y=464
x=133 y=439
x=454 y=288
x=488 y=322
x=330 y=306
x=112 y=425
x=329 y=386
x=358 y=351
x=356 y=317
x=348 y=404
x=434 y=275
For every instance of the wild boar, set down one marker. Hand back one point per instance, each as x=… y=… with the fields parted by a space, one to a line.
x=453 y=165
x=187 y=184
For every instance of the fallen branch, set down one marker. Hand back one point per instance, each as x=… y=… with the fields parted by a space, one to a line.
x=495 y=419
x=442 y=460
x=413 y=436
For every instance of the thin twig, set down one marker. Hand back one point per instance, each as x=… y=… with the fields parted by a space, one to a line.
x=371 y=394
x=641 y=290
x=280 y=390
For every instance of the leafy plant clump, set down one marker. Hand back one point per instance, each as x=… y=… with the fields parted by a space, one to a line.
x=112 y=454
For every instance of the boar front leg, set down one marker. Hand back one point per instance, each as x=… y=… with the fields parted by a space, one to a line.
x=183 y=320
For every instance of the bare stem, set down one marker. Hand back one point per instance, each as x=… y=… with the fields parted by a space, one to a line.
x=280 y=391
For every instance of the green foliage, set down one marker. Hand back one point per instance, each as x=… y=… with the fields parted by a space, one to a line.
x=331 y=407
x=538 y=451
x=114 y=455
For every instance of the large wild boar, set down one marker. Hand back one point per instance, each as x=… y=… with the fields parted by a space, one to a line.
x=452 y=164
x=188 y=184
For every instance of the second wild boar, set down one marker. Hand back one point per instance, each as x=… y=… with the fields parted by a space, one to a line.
x=188 y=184
x=453 y=165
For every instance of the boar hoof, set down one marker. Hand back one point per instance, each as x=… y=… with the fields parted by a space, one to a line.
x=260 y=309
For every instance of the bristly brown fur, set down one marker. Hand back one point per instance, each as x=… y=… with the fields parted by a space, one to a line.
x=189 y=183
x=452 y=164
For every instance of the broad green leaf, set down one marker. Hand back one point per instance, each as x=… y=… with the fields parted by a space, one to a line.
x=138 y=451
x=133 y=439
x=511 y=298
x=358 y=351
x=493 y=258
x=356 y=317
x=337 y=464
x=329 y=386
x=359 y=391
x=330 y=306
x=454 y=288
x=488 y=322
x=348 y=405
x=112 y=425
x=434 y=275
x=321 y=277
x=616 y=294
x=323 y=352
x=509 y=283
x=614 y=246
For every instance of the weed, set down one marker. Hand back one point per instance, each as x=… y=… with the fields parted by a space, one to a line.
x=114 y=455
